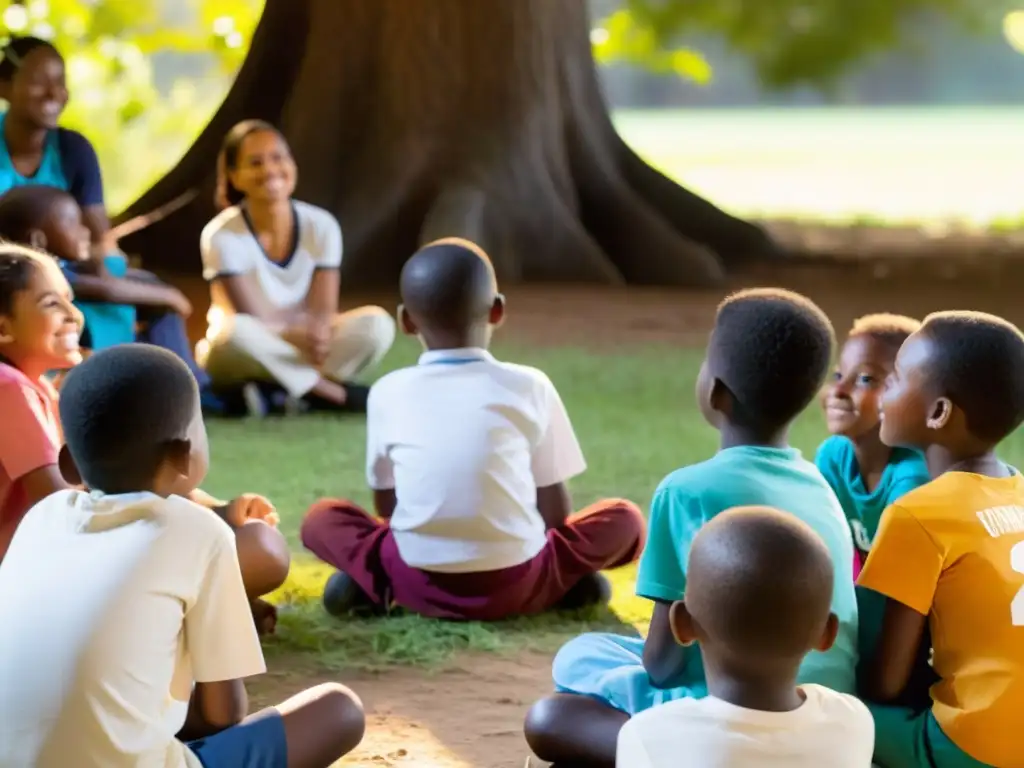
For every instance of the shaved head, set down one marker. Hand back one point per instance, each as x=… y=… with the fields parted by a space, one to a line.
x=448 y=285
x=759 y=584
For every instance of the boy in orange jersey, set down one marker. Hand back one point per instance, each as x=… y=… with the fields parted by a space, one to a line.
x=949 y=555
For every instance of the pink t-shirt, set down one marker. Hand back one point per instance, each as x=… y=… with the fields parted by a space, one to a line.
x=30 y=438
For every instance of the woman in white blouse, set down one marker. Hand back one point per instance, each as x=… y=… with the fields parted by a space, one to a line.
x=273 y=267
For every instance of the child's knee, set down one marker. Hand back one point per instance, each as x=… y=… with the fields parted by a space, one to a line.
x=264 y=557
x=340 y=707
x=542 y=727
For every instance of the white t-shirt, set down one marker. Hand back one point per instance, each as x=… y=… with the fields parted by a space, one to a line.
x=830 y=730
x=113 y=607
x=229 y=247
x=465 y=441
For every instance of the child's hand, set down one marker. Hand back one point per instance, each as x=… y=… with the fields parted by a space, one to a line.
x=251 y=506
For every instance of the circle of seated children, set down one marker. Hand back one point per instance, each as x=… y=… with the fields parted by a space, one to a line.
x=747 y=663
x=273 y=265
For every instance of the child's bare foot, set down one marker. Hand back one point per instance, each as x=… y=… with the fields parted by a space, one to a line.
x=264 y=614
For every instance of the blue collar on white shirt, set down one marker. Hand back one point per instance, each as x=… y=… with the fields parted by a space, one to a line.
x=459 y=356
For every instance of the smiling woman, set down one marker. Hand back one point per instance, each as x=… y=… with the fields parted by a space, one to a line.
x=33 y=149
x=273 y=267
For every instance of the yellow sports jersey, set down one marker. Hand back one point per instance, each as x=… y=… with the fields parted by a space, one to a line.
x=953 y=550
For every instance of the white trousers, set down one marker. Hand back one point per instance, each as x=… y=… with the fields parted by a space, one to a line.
x=244 y=349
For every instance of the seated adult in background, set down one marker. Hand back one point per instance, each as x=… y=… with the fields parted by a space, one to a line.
x=34 y=150
x=273 y=267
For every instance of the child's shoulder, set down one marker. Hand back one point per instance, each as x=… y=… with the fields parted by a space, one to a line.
x=834 y=450
x=14 y=383
x=696 y=479
x=11 y=376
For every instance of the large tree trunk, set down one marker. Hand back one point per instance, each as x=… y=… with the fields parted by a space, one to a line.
x=416 y=120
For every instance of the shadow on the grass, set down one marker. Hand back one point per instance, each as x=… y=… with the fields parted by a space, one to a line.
x=374 y=643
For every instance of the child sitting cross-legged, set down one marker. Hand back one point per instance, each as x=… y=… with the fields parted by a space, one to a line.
x=754 y=623
x=39 y=331
x=467 y=457
x=949 y=556
x=128 y=632
x=766 y=361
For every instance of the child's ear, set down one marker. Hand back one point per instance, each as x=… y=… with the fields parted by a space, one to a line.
x=682 y=624
x=828 y=636
x=6 y=334
x=497 y=316
x=405 y=322
x=178 y=457
x=941 y=413
x=37 y=239
x=68 y=468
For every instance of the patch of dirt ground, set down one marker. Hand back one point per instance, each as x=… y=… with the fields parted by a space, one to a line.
x=467 y=715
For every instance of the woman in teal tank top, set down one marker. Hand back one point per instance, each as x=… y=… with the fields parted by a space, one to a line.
x=33 y=148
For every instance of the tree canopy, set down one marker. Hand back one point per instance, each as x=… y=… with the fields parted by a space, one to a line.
x=789 y=42
x=140 y=119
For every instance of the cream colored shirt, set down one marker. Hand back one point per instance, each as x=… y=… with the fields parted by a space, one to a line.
x=830 y=730
x=113 y=606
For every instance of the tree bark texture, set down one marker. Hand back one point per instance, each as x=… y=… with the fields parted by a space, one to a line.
x=483 y=119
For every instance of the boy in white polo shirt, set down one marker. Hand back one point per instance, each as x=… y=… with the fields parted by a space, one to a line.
x=754 y=622
x=468 y=458
x=127 y=628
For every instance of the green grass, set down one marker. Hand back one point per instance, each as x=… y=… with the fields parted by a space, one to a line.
x=635 y=417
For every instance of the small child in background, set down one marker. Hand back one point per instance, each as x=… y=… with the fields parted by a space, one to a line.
x=949 y=556
x=49 y=219
x=39 y=329
x=128 y=635
x=767 y=359
x=866 y=474
x=468 y=458
x=754 y=623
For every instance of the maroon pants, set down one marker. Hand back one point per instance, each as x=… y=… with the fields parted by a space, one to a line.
x=605 y=535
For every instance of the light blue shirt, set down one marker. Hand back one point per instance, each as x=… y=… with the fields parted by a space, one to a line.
x=753 y=476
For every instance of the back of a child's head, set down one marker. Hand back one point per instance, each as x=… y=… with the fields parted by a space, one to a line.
x=448 y=284
x=121 y=409
x=978 y=363
x=890 y=329
x=772 y=348
x=759 y=585
x=25 y=209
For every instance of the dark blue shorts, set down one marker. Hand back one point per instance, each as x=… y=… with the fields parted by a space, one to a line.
x=259 y=742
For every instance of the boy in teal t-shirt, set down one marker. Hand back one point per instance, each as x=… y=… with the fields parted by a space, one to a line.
x=766 y=361
x=866 y=474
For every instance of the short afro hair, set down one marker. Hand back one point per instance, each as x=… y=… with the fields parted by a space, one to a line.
x=773 y=349
x=121 y=409
x=979 y=365
x=25 y=208
x=888 y=328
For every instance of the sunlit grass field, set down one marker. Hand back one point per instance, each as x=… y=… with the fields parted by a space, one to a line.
x=636 y=420
x=867 y=165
